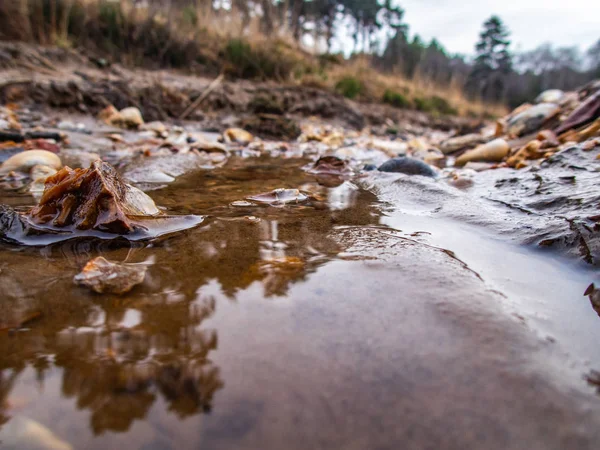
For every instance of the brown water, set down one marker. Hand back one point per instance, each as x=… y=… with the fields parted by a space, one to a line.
x=340 y=323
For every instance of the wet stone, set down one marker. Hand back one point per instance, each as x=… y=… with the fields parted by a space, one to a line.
x=24 y=161
x=330 y=165
x=408 y=166
x=76 y=202
x=457 y=143
x=94 y=198
x=532 y=119
x=105 y=277
x=493 y=151
x=279 y=197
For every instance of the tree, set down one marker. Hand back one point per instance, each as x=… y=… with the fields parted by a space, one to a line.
x=593 y=55
x=493 y=62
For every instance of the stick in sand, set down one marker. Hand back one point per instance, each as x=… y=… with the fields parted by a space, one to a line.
x=200 y=99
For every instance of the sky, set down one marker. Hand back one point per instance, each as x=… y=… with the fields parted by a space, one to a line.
x=457 y=23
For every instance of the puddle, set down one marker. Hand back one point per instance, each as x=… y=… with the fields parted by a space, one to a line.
x=339 y=322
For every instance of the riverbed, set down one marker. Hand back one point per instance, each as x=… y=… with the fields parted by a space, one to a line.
x=364 y=319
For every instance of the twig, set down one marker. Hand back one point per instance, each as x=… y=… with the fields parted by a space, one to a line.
x=200 y=99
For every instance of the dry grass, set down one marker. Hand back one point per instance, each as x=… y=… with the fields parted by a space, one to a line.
x=375 y=84
x=201 y=40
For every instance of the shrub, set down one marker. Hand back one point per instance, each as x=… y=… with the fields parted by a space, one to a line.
x=434 y=104
x=349 y=87
x=442 y=106
x=423 y=104
x=395 y=99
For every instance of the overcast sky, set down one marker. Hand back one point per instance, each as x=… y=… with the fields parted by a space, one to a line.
x=457 y=23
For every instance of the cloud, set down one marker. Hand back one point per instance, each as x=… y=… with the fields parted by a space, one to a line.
x=457 y=23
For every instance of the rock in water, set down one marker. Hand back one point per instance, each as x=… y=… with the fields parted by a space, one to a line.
x=408 y=166
x=330 y=165
x=89 y=202
x=279 y=197
x=24 y=161
x=493 y=151
x=105 y=277
x=94 y=198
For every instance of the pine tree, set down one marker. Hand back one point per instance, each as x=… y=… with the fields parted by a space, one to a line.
x=493 y=62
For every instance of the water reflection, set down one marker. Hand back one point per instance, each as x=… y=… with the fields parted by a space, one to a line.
x=118 y=355
x=117 y=371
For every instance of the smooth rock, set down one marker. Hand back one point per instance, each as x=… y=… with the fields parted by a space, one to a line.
x=531 y=119
x=105 y=277
x=238 y=135
x=457 y=143
x=24 y=161
x=493 y=151
x=279 y=197
x=408 y=166
x=550 y=96
x=130 y=117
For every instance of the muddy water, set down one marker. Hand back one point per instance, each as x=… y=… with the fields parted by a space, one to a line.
x=340 y=323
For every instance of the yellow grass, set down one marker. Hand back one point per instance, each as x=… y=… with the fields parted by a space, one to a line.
x=376 y=83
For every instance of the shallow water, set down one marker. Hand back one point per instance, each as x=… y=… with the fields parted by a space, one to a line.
x=342 y=322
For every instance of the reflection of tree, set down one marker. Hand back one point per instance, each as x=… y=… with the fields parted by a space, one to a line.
x=7 y=382
x=118 y=372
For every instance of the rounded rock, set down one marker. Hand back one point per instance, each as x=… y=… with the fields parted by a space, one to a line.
x=24 y=161
x=408 y=166
x=550 y=96
x=493 y=151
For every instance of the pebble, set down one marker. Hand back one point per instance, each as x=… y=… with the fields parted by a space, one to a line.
x=408 y=166
x=130 y=117
x=24 y=161
x=531 y=119
x=493 y=151
x=457 y=143
x=279 y=197
x=550 y=96
x=238 y=135
x=105 y=277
